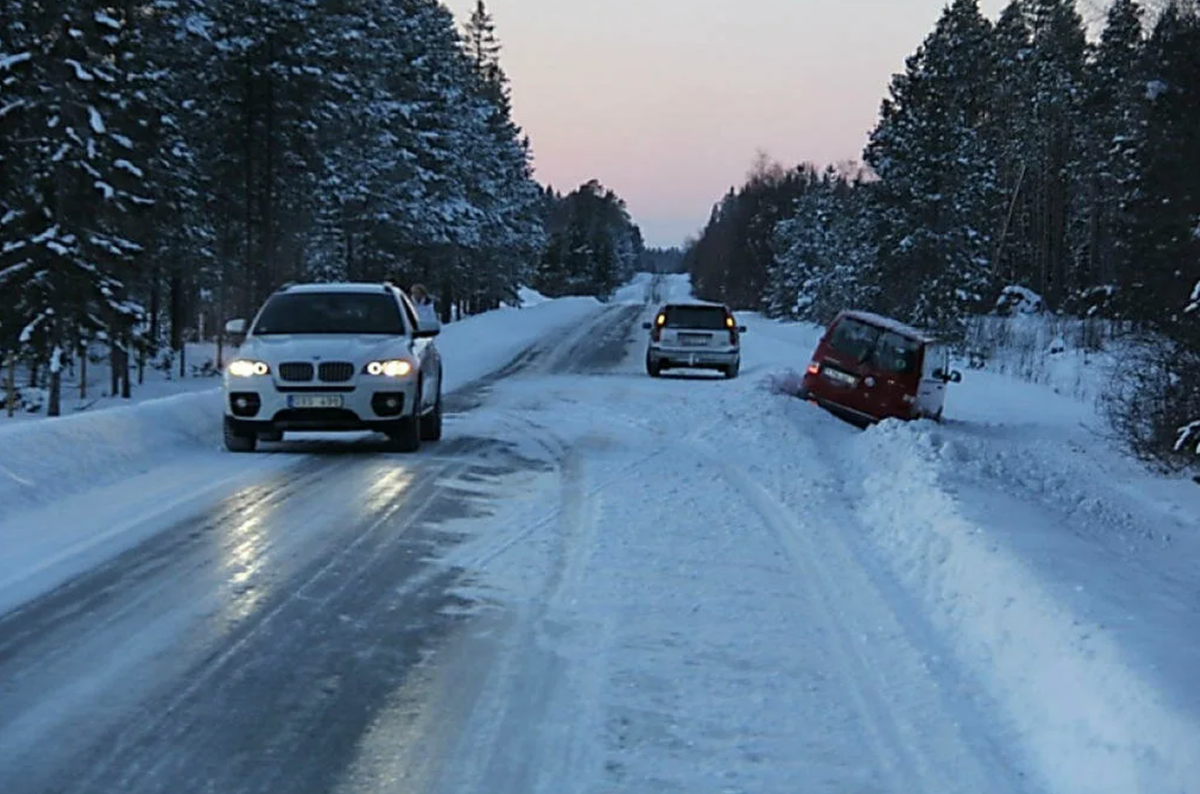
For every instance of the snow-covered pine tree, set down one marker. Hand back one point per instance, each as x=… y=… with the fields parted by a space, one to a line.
x=1056 y=135
x=1007 y=131
x=260 y=141
x=75 y=254
x=937 y=176
x=822 y=251
x=593 y=244
x=1164 y=204
x=513 y=235
x=16 y=54
x=1112 y=108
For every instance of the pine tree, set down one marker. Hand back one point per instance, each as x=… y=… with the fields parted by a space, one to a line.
x=937 y=176
x=1115 y=87
x=1008 y=131
x=74 y=257
x=1163 y=265
x=1165 y=203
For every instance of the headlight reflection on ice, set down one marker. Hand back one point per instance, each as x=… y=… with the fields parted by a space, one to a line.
x=245 y=551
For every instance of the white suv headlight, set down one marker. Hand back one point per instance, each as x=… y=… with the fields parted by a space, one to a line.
x=390 y=369
x=243 y=368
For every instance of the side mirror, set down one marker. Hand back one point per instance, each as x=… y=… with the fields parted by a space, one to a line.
x=427 y=329
x=647 y=326
x=956 y=377
x=235 y=328
x=741 y=329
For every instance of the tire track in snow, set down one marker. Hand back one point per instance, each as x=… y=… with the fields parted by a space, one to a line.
x=896 y=740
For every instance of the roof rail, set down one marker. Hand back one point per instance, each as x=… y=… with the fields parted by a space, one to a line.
x=286 y=286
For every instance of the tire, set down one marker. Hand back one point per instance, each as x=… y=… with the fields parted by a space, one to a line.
x=431 y=423
x=238 y=441
x=732 y=370
x=405 y=435
x=653 y=368
x=406 y=432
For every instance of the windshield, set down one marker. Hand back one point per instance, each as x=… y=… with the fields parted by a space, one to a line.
x=709 y=318
x=887 y=350
x=330 y=313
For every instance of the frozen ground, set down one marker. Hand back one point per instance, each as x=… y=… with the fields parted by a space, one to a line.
x=602 y=582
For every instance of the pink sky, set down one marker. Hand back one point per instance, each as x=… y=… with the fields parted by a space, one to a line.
x=667 y=101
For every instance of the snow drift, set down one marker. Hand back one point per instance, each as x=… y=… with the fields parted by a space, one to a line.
x=48 y=460
x=1091 y=723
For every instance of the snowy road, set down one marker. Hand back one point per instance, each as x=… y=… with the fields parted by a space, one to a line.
x=599 y=582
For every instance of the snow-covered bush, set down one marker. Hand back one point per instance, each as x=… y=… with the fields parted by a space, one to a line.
x=1153 y=400
x=1070 y=355
x=1017 y=300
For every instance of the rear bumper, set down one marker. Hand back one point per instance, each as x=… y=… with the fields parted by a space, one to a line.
x=692 y=357
x=852 y=415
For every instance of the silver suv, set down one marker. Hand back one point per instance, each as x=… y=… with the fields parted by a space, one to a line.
x=695 y=336
x=334 y=357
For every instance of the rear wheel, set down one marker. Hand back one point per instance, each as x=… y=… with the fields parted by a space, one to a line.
x=654 y=368
x=732 y=370
x=237 y=440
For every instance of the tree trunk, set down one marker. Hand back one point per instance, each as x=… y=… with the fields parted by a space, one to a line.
x=124 y=376
x=114 y=368
x=83 y=373
x=10 y=384
x=54 y=407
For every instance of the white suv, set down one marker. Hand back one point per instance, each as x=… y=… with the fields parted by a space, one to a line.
x=334 y=357
x=696 y=336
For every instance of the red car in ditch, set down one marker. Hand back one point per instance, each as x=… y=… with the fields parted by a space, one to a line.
x=867 y=368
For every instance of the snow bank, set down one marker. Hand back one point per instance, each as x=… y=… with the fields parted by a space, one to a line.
x=1090 y=721
x=636 y=291
x=48 y=460
x=480 y=345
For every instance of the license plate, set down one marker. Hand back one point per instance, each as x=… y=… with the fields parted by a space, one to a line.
x=837 y=376
x=694 y=340
x=315 y=401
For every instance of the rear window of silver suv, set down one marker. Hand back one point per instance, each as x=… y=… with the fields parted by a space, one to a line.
x=708 y=318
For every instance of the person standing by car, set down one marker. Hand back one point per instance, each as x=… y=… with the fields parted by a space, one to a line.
x=426 y=311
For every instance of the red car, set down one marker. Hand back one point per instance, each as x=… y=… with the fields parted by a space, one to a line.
x=867 y=368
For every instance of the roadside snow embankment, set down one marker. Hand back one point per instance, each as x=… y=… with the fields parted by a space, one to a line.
x=1090 y=720
x=47 y=460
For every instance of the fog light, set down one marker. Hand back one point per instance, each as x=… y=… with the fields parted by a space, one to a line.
x=245 y=404
x=388 y=403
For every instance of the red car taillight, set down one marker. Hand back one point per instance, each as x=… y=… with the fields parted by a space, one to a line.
x=814 y=368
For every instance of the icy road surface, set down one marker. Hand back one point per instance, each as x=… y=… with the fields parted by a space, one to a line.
x=598 y=582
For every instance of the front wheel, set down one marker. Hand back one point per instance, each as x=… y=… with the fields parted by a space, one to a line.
x=406 y=434
x=237 y=440
x=431 y=423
